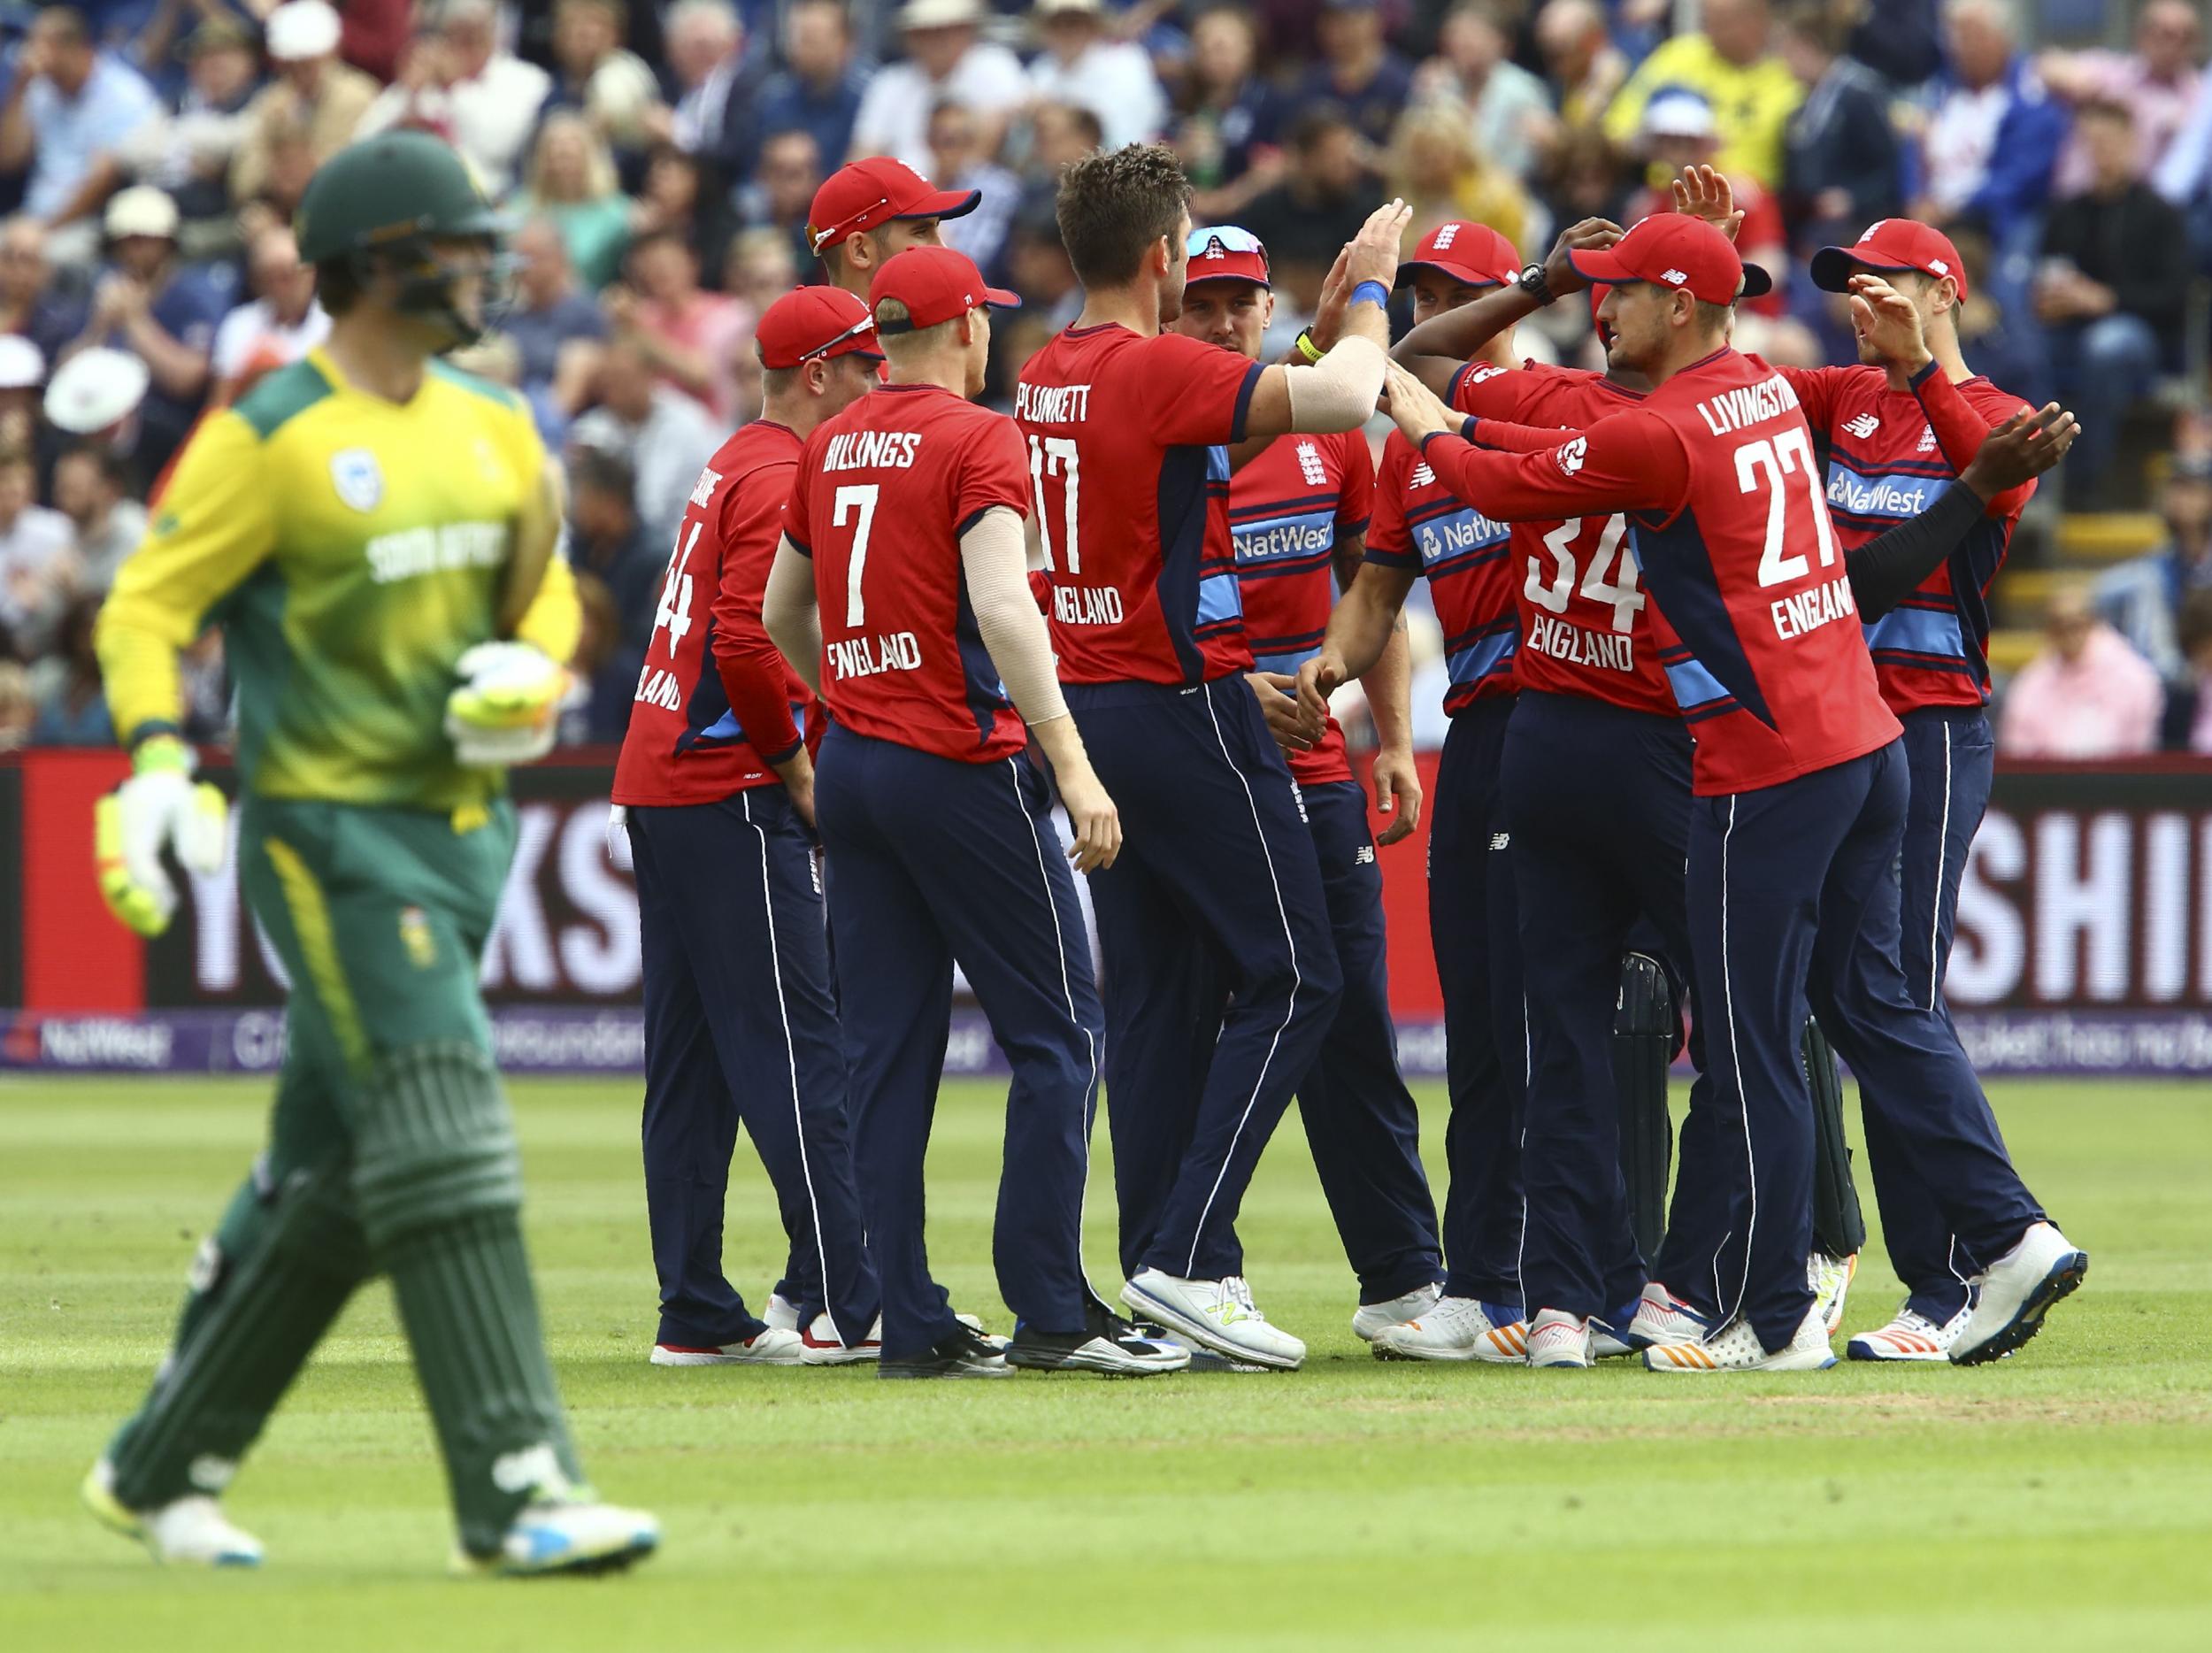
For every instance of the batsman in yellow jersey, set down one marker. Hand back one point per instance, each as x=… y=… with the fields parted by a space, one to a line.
x=376 y=534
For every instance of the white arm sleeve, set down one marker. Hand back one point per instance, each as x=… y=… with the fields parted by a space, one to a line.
x=788 y=614
x=1338 y=392
x=995 y=559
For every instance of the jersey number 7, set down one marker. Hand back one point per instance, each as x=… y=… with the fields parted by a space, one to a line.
x=861 y=499
x=1777 y=456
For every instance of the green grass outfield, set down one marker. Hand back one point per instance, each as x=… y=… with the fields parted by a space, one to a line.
x=2060 y=1499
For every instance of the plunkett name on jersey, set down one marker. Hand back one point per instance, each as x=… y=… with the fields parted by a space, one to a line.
x=1052 y=405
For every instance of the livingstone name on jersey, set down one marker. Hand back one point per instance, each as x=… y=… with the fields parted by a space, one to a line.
x=1748 y=405
x=1053 y=404
x=873 y=451
x=415 y=551
x=1557 y=640
x=1810 y=611
x=872 y=657
x=1878 y=496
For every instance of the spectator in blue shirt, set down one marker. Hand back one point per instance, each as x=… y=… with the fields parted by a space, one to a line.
x=160 y=310
x=66 y=109
x=818 y=90
x=550 y=319
x=1359 y=71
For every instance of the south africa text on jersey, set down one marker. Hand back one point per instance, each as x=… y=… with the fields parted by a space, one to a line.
x=430 y=550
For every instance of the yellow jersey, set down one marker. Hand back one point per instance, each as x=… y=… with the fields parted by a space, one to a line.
x=1752 y=105
x=352 y=548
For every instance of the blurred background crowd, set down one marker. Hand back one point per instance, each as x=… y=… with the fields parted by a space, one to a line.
x=660 y=157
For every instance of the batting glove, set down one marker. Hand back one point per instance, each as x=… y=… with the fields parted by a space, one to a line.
x=507 y=709
x=159 y=807
x=618 y=839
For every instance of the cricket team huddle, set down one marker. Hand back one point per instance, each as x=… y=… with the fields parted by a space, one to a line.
x=1716 y=637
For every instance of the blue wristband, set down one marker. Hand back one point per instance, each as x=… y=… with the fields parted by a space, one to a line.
x=1371 y=292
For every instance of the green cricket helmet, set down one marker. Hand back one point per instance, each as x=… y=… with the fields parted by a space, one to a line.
x=379 y=205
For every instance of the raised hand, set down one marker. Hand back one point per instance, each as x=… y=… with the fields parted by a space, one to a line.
x=1889 y=322
x=1701 y=192
x=1415 y=406
x=1336 y=293
x=1593 y=234
x=1373 y=254
x=2020 y=450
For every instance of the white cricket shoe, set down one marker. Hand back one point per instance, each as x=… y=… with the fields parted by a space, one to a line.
x=1558 y=1339
x=781 y=1313
x=1661 y=1318
x=1370 y=1318
x=1217 y=1314
x=190 y=1532
x=566 y=1536
x=1829 y=1280
x=820 y=1345
x=974 y=1323
x=1737 y=1349
x=1911 y=1335
x=1458 y=1328
x=771 y=1346
x=2016 y=1292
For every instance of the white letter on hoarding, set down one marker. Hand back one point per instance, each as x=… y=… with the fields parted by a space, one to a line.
x=1990 y=952
x=2073 y=904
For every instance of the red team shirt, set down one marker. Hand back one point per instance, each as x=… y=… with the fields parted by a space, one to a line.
x=1127 y=461
x=1584 y=620
x=1756 y=628
x=697 y=735
x=886 y=490
x=1890 y=452
x=1422 y=527
x=1287 y=509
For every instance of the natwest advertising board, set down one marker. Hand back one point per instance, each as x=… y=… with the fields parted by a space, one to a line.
x=2085 y=935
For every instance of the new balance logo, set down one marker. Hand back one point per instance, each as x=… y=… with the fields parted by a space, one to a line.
x=1501 y=841
x=1673 y=278
x=1862 y=426
x=1364 y=855
x=1422 y=476
x=1310 y=466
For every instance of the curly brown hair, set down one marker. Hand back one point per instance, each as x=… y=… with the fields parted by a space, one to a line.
x=1114 y=204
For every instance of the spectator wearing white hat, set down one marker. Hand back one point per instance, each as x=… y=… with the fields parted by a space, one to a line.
x=458 y=80
x=946 y=61
x=1083 y=64
x=158 y=307
x=68 y=105
x=279 y=326
x=22 y=373
x=314 y=90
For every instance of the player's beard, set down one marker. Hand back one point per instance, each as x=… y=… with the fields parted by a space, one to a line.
x=1171 y=305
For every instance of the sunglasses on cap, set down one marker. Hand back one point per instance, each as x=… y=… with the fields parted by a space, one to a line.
x=821 y=238
x=866 y=324
x=1231 y=239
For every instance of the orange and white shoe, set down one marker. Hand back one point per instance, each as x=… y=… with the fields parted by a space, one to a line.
x=1737 y=1349
x=1911 y=1335
x=1458 y=1328
x=1829 y=1278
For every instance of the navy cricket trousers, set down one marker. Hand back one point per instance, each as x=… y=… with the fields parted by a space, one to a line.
x=1217 y=874
x=931 y=860
x=1951 y=756
x=741 y=1023
x=1475 y=933
x=1361 y=1121
x=1598 y=803
x=1794 y=901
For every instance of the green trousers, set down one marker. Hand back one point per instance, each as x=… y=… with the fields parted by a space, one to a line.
x=390 y=1150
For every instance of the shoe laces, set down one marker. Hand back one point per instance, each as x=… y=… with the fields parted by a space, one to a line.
x=1237 y=1290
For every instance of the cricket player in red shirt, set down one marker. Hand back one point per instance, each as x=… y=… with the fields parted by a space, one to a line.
x=1127 y=427
x=716 y=792
x=1298 y=517
x=899 y=590
x=1801 y=798
x=869 y=211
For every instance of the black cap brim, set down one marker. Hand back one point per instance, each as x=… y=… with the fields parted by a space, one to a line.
x=1462 y=276
x=1756 y=282
x=1832 y=268
x=967 y=204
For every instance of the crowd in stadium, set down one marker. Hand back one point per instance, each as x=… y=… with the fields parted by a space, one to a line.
x=660 y=161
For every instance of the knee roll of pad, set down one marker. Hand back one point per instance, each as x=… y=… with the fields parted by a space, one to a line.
x=1839 y=1224
x=434 y=1145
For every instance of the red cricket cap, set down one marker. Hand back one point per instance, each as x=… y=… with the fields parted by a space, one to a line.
x=871 y=193
x=1890 y=243
x=1674 y=249
x=810 y=321
x=1474 y=254
x=1225 y=252
x=935 y=284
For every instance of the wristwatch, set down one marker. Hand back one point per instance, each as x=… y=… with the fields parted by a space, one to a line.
x=1534 y=285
